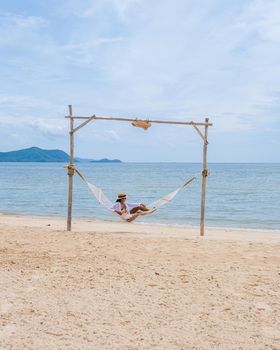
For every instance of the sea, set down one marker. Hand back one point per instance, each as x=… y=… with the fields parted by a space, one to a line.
x=237 y=196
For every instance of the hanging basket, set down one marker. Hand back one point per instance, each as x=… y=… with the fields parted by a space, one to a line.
x=143 y=124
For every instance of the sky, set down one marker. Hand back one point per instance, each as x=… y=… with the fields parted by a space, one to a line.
x=171 y=59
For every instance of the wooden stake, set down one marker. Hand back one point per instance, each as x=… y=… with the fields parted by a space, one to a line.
x=83 y=124
x=204 y=175
x=199 y=132
x=70 y=171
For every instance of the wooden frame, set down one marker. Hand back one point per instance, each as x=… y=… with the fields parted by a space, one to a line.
x=71 y=165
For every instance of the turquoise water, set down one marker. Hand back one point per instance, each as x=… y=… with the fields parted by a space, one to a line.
x=238 y=195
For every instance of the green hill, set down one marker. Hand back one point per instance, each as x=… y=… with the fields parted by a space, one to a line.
x=36 y=154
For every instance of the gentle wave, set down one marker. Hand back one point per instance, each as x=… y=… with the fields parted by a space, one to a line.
x=238 y=195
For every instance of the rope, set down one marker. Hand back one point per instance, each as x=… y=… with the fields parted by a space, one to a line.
x=104 y=201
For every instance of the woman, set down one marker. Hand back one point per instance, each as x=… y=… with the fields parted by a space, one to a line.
x=129 y=211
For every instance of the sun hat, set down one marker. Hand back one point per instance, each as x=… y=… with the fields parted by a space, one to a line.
x=121 y=195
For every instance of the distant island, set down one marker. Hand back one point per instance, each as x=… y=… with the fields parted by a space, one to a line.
x=103 y=160
x=36 y=154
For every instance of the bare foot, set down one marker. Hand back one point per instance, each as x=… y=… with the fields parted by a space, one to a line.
x=133 y=218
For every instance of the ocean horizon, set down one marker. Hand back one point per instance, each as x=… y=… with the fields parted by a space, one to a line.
x=239 y=195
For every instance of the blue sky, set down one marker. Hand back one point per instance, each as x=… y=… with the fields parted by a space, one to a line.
x=169 y=59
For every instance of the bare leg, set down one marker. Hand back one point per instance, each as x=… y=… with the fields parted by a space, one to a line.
x=132 y=218
x=144 y=208
x=141 y=207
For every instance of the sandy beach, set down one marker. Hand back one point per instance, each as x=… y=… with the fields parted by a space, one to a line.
x=111 y=285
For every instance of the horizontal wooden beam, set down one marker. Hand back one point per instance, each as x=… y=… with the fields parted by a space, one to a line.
x=143 y=120
x=77 y=117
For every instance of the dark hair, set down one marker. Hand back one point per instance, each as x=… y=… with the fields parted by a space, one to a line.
x=119 y=199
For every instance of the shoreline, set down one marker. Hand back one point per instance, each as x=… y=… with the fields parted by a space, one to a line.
x=142 y=228
x=82 y=218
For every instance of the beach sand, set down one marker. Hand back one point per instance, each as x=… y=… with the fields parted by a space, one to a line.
x=111 y=285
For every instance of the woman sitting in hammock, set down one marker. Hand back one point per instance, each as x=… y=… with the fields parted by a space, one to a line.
x=129 y=211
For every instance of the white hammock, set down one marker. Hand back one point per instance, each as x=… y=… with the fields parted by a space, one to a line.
x=103 y=200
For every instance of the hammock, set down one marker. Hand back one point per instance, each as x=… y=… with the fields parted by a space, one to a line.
x=105 y=202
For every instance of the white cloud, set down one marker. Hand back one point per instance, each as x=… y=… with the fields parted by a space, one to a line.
x=262 y=17
x=84 y=54
x=179 y=57
x=16 y=21
x=28 y=114
x=123 y=6
x=14 y=27
x=173 y=59
x=20 y=101
x=92 y=8
x=113 y=134
x=43 y=126
x=49 y=128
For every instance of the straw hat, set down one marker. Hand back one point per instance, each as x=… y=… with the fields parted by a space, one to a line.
x=121 y=195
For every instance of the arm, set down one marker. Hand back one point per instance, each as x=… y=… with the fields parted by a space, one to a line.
x=117 y=208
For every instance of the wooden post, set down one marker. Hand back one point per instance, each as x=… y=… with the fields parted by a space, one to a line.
x=70 y=171
x=71 y=165
x=204 y=175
